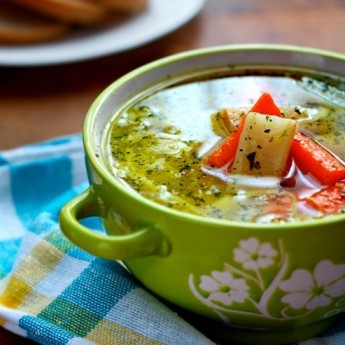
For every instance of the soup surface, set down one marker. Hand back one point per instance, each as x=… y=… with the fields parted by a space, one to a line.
x=159 y=147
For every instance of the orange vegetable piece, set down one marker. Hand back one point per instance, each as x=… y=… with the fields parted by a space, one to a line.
x=313 y=159
x=329 y=200
x=265 y=105
x=226 y=151
x=279 y=205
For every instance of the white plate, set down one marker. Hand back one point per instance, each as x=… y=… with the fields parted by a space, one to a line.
x=161 y=18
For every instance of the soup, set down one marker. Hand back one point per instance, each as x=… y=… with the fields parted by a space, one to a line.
x=160 y=146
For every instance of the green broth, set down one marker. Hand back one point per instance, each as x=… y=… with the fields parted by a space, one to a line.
x=157 y=145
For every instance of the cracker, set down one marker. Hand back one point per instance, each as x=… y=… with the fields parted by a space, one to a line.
x=73 y=11
x=20 y=27
x=125 y=6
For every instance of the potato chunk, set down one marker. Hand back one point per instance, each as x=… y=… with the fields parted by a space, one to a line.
x=264 y=145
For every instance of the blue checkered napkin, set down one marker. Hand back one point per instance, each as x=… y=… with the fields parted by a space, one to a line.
x=52 y=292
x=55 y=293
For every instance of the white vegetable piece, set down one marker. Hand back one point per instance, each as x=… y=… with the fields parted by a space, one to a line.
x=264 y=145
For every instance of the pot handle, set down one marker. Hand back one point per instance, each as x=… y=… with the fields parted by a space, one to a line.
x=140 y=243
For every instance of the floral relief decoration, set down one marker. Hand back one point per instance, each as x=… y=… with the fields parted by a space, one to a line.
x=260 y=275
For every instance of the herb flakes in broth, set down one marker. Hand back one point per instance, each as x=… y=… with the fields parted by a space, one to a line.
x=157 y=146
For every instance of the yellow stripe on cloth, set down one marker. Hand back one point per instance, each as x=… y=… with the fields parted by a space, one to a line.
x=35 y=302
x=43 y=259
x=20 y=291
x=107 y=332
x=15 y=293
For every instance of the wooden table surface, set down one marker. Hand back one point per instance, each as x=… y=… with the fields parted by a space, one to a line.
x=42 y=102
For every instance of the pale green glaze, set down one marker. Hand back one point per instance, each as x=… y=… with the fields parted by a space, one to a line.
x=194 y=262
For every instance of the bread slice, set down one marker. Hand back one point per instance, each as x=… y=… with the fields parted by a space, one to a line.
x=73 y=11
x=125 y=6
x=20 y=27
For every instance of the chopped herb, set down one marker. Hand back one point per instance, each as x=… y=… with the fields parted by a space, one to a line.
x=186 y=167
x=251 y=158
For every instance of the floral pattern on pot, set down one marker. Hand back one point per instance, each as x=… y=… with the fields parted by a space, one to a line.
x=259 y=284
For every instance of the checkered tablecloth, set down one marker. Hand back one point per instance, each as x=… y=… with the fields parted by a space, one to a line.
x=54 y=293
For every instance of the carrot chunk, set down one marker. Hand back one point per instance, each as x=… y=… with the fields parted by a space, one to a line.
x=329 y=200
x=312 y=159
x=279 y=204
x=265 y=105
x=226 y=151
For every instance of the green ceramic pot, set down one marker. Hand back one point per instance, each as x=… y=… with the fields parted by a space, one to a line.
x=291 y=285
